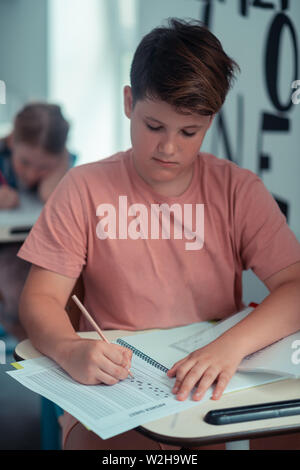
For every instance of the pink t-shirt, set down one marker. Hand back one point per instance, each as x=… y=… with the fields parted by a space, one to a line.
x=103 y=220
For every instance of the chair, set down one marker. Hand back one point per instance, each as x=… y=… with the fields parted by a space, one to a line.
x=50 y=412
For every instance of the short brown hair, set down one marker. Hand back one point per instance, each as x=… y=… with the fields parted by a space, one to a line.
x=43 y=125
x=183 y=64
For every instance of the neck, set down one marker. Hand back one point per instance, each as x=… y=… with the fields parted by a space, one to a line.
x=173 y=188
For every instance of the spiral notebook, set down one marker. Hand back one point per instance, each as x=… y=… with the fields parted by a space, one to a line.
x=169 y=346
x=143 y=356
x=158 y=348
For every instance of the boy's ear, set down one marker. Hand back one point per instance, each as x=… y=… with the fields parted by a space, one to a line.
x=128 y=101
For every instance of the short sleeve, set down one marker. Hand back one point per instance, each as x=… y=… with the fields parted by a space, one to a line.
x=58 y=239
x=264 y=241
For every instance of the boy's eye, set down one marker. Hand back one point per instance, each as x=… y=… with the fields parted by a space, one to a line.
x=185 y=133
x=153 y=128
x=188 y=134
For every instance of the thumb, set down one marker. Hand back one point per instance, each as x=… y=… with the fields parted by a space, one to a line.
x=127 y=354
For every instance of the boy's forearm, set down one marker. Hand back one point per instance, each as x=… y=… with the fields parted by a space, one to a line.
x=47 y=325
x=275 y=318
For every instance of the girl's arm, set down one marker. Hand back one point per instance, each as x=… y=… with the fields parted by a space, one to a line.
x=276 y=317
x=9 y=197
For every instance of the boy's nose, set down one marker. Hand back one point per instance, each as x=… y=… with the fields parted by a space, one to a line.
x=167 y=147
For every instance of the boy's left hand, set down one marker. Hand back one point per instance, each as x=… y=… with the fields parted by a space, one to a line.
x=218 y=361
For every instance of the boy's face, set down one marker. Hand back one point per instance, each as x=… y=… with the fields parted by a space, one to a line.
x=165 y=143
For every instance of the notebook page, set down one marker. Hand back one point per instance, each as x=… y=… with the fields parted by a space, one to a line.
x=279 y=357
x=168 y=349
x=159 y=345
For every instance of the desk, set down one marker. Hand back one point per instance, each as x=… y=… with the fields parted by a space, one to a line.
x=16 y=223
x=188 y=429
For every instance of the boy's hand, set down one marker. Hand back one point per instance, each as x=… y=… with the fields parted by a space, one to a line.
x=9 y=197
x=217 y=361
x=92 y=362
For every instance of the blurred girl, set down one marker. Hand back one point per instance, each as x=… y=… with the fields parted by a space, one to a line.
x=33 y=158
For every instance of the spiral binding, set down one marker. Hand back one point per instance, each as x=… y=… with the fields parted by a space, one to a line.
x=142 y=355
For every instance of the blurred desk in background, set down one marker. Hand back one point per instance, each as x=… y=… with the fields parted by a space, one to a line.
x=15 y=224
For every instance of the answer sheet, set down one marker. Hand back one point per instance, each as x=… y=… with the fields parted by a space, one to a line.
x=106 y=410
x=111 y=410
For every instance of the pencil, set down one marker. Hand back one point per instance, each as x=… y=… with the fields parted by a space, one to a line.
x=92 y=321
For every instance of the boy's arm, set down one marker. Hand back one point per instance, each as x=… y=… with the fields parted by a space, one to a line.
x=41 y=310
x=42 y=313
x=276 y=317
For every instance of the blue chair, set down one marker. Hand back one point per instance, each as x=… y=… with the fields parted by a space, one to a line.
x=50 y=429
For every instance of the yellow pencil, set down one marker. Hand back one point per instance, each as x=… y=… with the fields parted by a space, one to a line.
x=92 y=321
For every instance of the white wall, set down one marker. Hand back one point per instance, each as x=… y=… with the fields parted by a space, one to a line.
x=89 y=43
x=23 y=53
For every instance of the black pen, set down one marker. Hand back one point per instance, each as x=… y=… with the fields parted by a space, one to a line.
x=253 y=412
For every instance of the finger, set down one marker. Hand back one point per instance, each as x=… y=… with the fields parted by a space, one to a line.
x=111 y=368
x=181 y=371
x=102 y=378
x=171 y=372
x=205 y=382
x=113 y=352
x=190 y=380
x=222 y=383
x=93 y=376
x=127 y=355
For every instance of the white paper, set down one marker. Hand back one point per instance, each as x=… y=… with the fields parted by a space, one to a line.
x=274 y=359
x=161 y=345
x=106 y=410
x=111 y=410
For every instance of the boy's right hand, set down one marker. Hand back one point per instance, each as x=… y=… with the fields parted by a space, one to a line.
x=9 y=197
x=92 y=362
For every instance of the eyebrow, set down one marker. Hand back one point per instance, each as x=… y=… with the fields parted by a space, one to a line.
x=194 y=126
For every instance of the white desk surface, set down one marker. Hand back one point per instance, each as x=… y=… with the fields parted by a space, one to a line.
x=16 y=223
x=189 y=427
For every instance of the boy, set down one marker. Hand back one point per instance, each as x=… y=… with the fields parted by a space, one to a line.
x=135 y=278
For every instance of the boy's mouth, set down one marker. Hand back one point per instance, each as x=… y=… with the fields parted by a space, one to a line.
x=164 y=162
